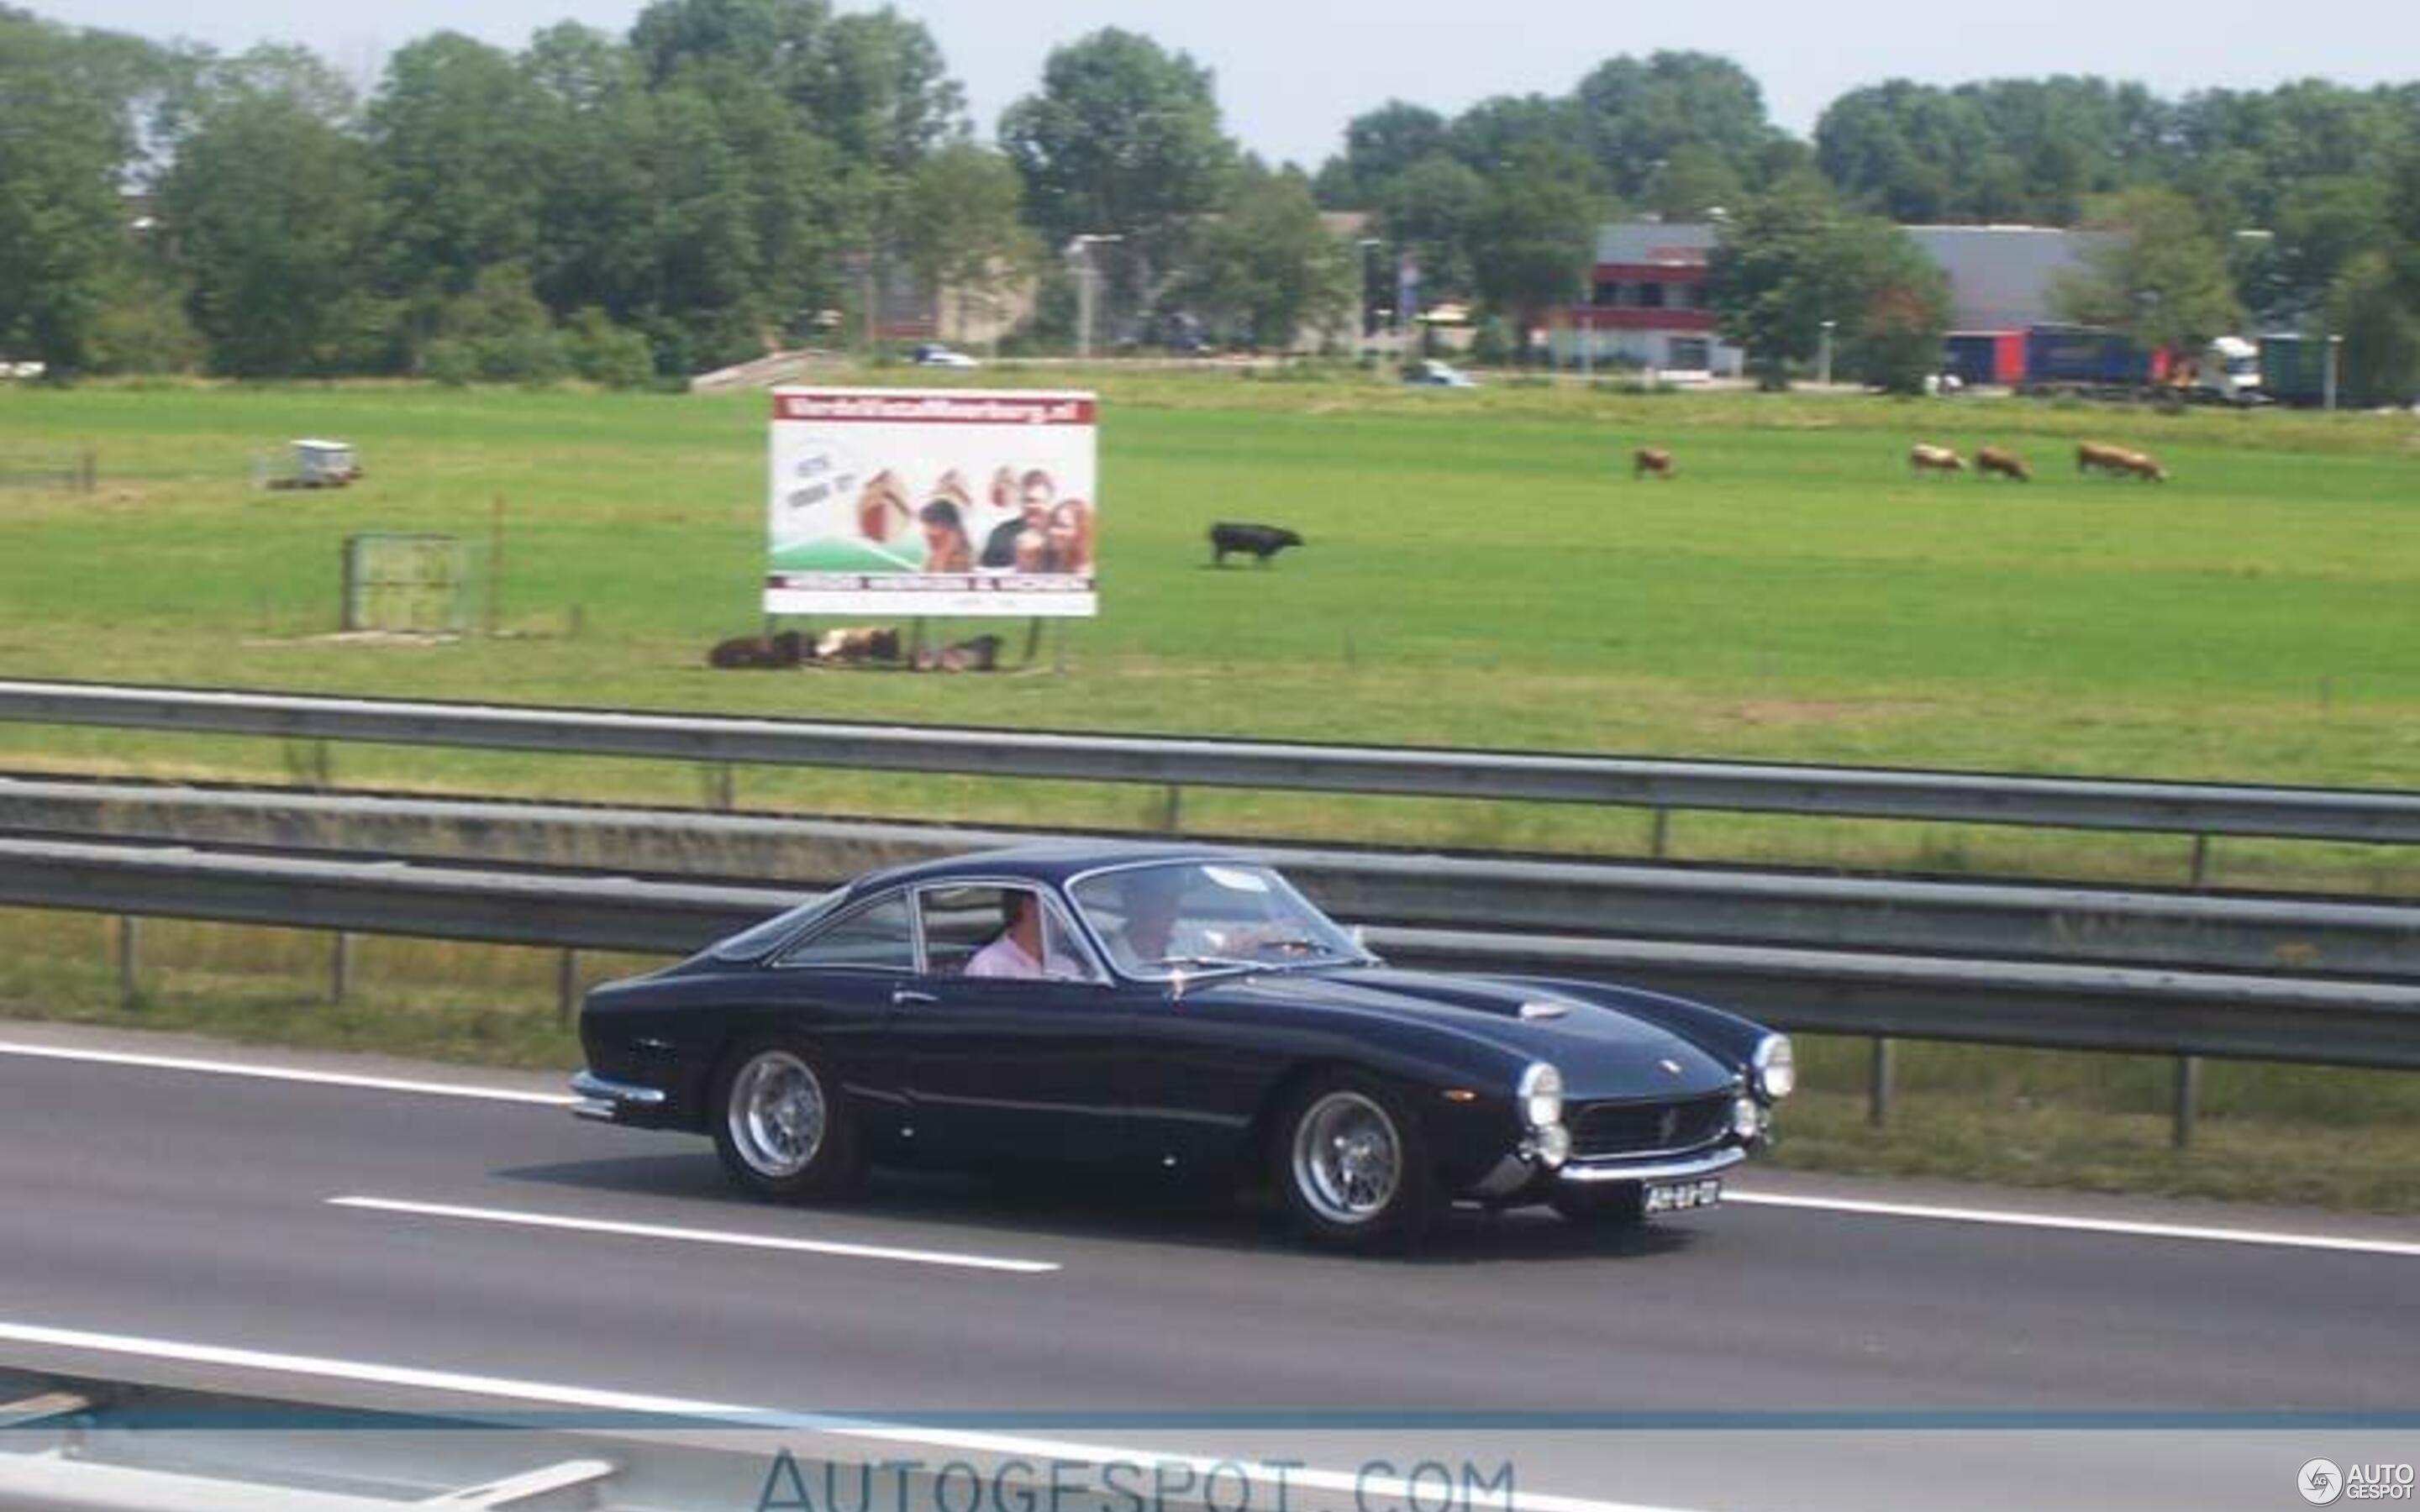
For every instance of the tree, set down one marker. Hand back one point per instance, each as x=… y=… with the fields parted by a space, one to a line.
x=1642 y=116
x=270 y=206
x=1493 y=136
x=1530 y=249
x=595 y=150
x=2373 y=307
x=1123 y=139
x=1380 y=146
x=1267 y=267
x=1435 y=210
x=1792 y=259
x=961 y=225
x=63 y=238
x=2161 y=276
x=455 y=131
x=2320 y=227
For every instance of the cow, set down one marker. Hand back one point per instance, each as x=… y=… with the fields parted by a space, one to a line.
x=786 y=649
x=2006 y=464
x=1647 y=459
x=1923 y=458
x=1262 y=541
x=2098 y=456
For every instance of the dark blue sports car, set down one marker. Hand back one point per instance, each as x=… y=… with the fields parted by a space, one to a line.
x=1176 y=1007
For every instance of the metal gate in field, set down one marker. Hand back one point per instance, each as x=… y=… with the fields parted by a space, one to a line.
x=408 y=583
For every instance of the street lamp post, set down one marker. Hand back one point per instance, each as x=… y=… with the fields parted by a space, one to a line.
x=1824 y=367
x=1088 y=278
x=2336 y=344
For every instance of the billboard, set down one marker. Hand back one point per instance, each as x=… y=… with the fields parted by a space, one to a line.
x=925 y=502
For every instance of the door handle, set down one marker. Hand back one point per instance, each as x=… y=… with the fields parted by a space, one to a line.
x=903 y=996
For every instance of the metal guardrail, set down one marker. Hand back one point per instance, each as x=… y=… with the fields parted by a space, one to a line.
x=2338 y=1021
x=2071 y=925
x=2078 y=803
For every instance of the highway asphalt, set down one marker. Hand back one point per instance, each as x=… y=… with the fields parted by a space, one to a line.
x=1887 y=1345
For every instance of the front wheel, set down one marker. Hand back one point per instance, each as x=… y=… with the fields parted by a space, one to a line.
x=780 y=1125
x=1352 y=1164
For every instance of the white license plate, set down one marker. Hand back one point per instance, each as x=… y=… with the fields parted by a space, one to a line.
x=1680 y=1196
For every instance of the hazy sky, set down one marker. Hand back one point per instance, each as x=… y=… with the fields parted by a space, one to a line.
x=1289 y=73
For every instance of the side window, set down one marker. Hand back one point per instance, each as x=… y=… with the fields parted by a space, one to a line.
x=976 y=931
x=959 y=921
x=877 y=938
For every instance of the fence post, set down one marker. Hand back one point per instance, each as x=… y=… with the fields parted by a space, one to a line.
x=1878 y=1094
x=130 y=959
x=89 y=480
x=566 y=988
x=723 y=787
x=2200 y=859
x=340 y=968
x=2188 y=1100
x=1659 y=837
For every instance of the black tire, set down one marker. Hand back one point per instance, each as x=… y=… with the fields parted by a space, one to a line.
x=782 y=1123
x=1352 y=1164
x=1621 y=1207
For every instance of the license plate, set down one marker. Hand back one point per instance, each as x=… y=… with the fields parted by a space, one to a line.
x=1680 y=1196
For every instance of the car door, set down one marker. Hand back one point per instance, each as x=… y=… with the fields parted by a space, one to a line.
x=837 y=985
x=1010 y=1068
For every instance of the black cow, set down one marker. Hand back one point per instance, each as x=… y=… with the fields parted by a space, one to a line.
x=1262 y=541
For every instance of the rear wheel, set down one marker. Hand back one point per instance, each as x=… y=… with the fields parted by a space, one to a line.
x=781 y=1123
x=1351 y=1161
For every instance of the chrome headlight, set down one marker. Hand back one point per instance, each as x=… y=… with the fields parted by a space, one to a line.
x=1541 y=1096
x=1748 y=1118
x=1776 y=1068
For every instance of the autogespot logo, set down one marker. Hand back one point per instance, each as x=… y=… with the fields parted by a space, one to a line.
x=2319 y=1481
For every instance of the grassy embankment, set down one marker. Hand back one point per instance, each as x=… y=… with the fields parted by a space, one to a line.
x=1482 y=572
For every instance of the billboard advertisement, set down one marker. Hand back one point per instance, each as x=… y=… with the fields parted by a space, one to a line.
x=915 y=502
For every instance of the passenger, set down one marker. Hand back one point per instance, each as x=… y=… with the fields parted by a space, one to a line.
x=1019 y=951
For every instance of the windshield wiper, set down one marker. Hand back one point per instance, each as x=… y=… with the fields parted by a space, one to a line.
x=1217 y=960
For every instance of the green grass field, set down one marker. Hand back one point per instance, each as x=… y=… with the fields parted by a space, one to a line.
x=1482 y=572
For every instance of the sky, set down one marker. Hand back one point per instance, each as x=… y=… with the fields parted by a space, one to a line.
x=1289 y=73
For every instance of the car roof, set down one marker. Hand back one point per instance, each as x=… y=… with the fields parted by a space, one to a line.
x=1047 y=863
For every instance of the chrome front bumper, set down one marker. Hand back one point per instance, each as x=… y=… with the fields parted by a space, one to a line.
x=1677 y=1168
x=614 y=1102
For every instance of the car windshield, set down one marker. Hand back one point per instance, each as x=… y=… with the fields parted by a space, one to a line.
x=754 y=941
x=1164 y=918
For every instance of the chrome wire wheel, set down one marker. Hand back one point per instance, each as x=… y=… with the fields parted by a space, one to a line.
x=776 y=1115
x=1348 y=1160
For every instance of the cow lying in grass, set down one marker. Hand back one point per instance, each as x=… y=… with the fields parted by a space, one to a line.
x=2095 y=456
x=1922 y=459
x=1262 y=541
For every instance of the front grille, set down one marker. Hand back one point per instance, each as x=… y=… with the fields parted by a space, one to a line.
x=1603 y=1129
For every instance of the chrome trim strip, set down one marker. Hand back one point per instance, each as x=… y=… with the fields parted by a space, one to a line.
x=1720 y=1160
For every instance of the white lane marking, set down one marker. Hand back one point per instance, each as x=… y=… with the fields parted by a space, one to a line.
x=693 y=1236
x=2402 y=1248
x=500 y=1388
x=284 y=1073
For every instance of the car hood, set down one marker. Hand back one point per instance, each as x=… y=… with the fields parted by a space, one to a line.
x=1602 y=1052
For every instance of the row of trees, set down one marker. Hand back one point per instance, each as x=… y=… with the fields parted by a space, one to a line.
x=731 y=172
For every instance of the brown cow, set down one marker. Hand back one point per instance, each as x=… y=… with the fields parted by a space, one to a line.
x=1923 y=458
x=2008 y=464
x=1649 y=460
x=2098 y=456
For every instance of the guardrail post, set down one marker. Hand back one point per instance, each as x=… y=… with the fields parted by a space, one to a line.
x=1171 y=813
x=722 y=787
x=340 y=968
x=130 y=959
x=566 y=988
x=2188 y=1100
x=1659 y=836
x=2200 y=859
x=1878 y=1093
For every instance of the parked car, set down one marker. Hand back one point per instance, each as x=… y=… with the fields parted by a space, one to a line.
x=1430 y=373
x=1184 y=1010
x=933 y=354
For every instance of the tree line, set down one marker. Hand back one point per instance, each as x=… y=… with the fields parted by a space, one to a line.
x=728 y=174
